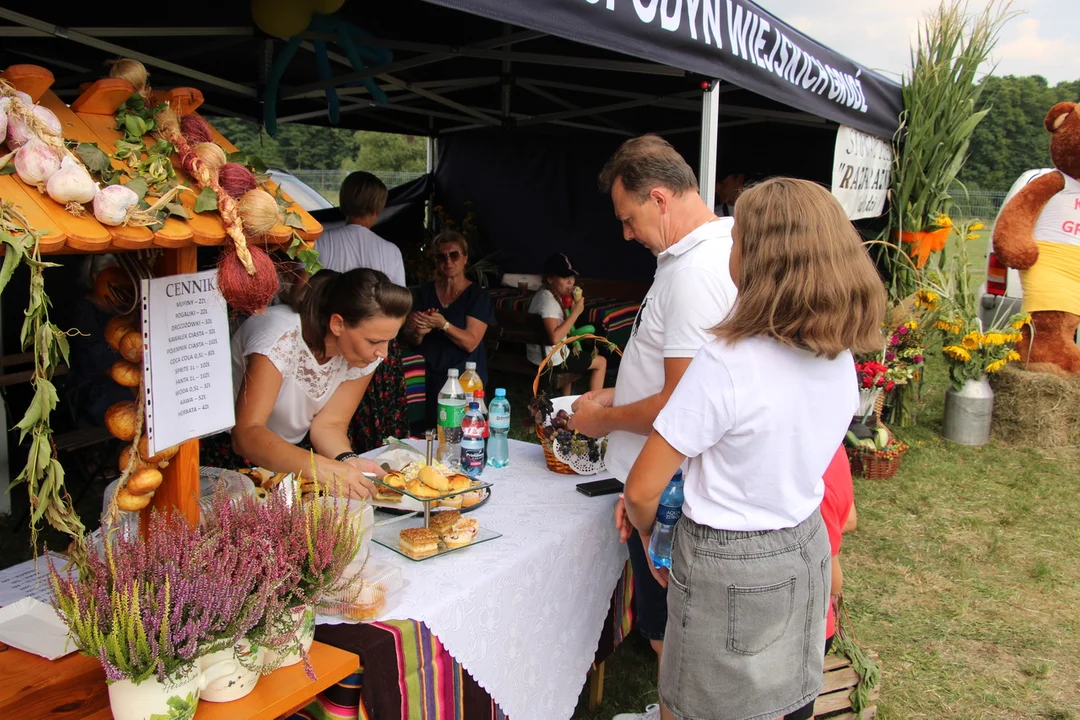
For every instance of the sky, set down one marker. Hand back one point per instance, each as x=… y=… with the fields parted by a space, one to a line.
x=1043 y=40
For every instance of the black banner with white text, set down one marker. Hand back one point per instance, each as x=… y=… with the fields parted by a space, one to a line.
x=732 y=40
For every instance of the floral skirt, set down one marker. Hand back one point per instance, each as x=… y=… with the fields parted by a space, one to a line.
x=383 y=412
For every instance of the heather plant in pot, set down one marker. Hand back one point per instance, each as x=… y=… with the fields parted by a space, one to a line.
x=315 y=537
x=148 y=608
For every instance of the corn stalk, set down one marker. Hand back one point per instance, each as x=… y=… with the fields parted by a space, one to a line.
x=941 y=96
x=43 y=474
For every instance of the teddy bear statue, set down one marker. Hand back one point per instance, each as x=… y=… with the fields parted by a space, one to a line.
x=1038 y=233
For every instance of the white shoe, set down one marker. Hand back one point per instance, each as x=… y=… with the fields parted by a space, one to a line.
x=652 y=712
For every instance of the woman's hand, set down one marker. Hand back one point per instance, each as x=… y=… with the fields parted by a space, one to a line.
x=577 y=307
x=418 y=324
x=435 y=320
x=661 y=574
x=345 y=480
x=366 y=465
x=622 y=520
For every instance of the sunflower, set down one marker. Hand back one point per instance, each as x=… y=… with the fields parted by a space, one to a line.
x=943 y=221
x=995 y=338
x=1021 y=321
x=972 y=340
x=956 y=353
x=927 y=299
x=996 y=365
x=976 y=226
x=1013 y=356
x=911 y=325
x=973 y=236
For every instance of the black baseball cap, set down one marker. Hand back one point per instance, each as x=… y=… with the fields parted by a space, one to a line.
x=559 y=265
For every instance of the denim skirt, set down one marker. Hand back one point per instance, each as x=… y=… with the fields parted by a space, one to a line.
x=746 y=621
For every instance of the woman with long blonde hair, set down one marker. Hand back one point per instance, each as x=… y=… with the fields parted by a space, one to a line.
x=759 y=414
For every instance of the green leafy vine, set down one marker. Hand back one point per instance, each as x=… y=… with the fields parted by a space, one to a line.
x=43 y=473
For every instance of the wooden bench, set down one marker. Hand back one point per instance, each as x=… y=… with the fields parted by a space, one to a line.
x=834 y=702
x=506 y=345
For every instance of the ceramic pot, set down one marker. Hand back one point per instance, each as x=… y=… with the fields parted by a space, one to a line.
x=969 y=412
x=242 y=681
x=151 y=700
x=304 y=618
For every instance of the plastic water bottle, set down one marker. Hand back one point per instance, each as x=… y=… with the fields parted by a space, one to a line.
x=667 y=516
x=451 y=413
x=471 y=382
x=472 y=441
x=499 y=426
x=478 y=396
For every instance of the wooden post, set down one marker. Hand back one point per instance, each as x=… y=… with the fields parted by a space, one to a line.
x=180 y=488
x=596 y=687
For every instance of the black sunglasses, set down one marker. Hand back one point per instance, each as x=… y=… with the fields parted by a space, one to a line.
x=451 y=256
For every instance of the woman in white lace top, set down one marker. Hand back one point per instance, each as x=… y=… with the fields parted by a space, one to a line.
x=302 y=369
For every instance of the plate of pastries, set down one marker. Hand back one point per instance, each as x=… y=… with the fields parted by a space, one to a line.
x=406 y=490
x=447 y=530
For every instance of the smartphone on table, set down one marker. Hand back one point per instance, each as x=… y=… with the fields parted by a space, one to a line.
x=594 y=488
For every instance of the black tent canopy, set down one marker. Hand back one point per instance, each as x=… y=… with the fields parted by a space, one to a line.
x=526 y=97
x=611 y=66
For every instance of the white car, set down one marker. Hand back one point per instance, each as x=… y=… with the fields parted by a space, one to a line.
x=302 y=193
x=1002 y=293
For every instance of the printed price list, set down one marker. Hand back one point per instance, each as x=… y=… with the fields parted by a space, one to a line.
x=190 y=380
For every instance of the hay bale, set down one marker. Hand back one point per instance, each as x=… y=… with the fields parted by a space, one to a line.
x=1036 y=409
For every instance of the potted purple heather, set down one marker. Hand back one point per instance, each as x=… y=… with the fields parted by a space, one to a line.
x=316 y=538
x=147 y=609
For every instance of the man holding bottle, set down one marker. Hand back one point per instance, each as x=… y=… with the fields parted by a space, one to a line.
x=655 y=195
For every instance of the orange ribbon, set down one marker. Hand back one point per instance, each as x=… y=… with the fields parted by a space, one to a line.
x=925 y=242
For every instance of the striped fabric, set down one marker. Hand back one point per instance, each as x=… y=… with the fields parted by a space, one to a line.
x=415 y=379
x=412 y=677
x=614 y=318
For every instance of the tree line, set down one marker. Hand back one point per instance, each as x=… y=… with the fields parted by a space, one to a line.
x=1011 y=138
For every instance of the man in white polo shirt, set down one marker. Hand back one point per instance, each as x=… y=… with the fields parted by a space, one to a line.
x=655 y=194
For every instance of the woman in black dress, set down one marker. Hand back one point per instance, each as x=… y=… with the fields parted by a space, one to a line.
x=450 y=317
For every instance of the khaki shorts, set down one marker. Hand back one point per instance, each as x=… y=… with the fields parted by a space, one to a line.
x=746 y=621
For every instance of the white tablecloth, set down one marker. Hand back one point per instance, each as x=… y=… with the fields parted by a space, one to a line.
x=522 y=613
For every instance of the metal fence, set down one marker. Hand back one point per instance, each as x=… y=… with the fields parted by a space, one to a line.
x=328 y=182
x=981 y=204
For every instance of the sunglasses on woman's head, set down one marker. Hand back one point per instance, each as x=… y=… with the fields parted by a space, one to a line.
x=451 y=256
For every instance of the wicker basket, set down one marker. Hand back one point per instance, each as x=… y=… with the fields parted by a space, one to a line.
x=555 y=465
x=875 y=464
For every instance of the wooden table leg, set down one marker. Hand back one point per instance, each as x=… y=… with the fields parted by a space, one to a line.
x=596 y=687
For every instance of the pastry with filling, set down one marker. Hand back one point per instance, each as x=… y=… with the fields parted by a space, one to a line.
x=443 y=520
x=461 y=533
x=420 y=490
x=471 y=498
x=434 y=479
x=394 y=479
x=418 y=542
x=459 y=482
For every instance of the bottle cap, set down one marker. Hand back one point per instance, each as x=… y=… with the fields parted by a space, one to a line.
x=452 y=372
x=478 y=394
x=474 y=406
x=500 y=392
x=470 y=366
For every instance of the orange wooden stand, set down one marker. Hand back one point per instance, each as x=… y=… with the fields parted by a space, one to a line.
x=73 y=687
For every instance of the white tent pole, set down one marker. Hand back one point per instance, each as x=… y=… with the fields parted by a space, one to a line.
x=710 y=115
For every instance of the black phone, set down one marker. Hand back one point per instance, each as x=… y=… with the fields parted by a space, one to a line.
x=600 y=487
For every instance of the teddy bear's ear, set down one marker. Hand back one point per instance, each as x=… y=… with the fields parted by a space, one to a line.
x=1057 y=115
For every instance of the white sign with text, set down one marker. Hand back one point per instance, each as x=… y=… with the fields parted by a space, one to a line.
x=186 y=359
x=862 y=168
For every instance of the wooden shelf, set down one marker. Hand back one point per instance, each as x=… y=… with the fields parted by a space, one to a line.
x=74 y=687
x=91 y=119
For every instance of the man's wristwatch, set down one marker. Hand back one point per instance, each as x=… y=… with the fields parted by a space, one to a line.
x=445 y=326
x=345 y=456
